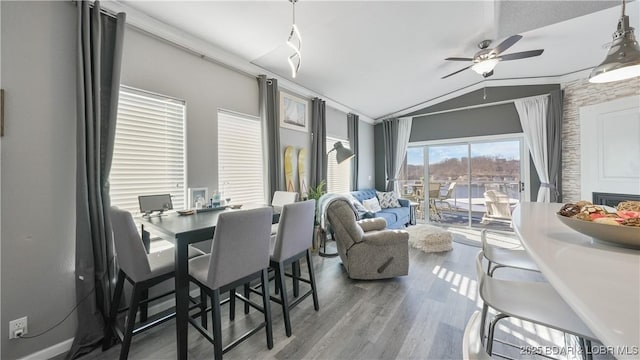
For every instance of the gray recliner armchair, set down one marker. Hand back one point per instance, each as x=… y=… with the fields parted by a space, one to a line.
x=367 y=249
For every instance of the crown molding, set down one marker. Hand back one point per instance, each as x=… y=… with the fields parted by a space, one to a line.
x=185 y=41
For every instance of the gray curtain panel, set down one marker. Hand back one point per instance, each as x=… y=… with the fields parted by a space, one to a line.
x=100 y=39
x=353 y=121
x=269 y=111
x=390 y=135
x=318 y=142
x=554 y=144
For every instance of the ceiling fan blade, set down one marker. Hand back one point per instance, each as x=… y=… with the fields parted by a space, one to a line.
x=459 y=59
x=521 y=55
x=507 y=43
x=455 y=72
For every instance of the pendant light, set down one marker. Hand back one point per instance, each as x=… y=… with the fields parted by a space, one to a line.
x=623 y=59
x=295 y=43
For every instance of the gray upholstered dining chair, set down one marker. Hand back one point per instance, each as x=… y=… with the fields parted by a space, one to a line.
x=140 y=269
x=535 y=302
x=288 y=246
x=500 y=257
x=239 y=254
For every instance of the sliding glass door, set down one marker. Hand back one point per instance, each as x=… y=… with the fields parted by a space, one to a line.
x=473 y=182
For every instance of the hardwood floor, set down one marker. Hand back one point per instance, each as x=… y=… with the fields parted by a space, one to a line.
x=419 y=316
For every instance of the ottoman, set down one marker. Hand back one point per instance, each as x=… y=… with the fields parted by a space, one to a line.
x=429 y=238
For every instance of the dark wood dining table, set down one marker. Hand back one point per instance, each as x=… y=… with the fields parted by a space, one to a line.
x=183 y=231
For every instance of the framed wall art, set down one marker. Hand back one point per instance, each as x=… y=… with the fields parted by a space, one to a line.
x=294 y=112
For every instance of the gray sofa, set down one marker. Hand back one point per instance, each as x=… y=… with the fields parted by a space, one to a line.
x=396 y=218
x=367 y=249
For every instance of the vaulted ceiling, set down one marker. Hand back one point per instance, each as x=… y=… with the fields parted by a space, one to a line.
x=385 y=57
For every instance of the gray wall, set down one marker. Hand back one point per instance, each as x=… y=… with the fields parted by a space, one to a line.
x=38 y=168
x=153 y=65
x=490 y=120
x=366 y=148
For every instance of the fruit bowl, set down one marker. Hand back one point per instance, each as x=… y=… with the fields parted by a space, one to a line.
x=627 y=236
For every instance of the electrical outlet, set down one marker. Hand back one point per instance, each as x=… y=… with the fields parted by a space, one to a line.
x=18 y=328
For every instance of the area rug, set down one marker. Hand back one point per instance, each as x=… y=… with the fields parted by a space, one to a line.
x=429 y=238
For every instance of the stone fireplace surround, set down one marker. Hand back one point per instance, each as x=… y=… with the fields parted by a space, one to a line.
x=577 y=94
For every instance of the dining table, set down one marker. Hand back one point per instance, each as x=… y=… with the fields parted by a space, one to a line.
x=599 y=280
x=184 y=230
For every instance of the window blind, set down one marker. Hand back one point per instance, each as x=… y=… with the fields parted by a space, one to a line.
x=149 y=149
x=338 y=175
x=241 y=167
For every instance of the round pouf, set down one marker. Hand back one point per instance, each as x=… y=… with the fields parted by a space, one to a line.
x=429 y=238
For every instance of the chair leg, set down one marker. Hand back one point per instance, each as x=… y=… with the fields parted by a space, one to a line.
x=280 y=278
x=247 y=294
x=131 y=320
x=232 y=304
x=312 y=279
x=266 y=304
x=295 y=270
x=144 y=307
x=216 y=323
x=113 y=312
x=203 y=308
x=492 y=329
x=483 y=318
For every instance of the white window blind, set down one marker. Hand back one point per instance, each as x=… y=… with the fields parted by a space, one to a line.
x=241 y=168
x=338 y=175
x=149 y=149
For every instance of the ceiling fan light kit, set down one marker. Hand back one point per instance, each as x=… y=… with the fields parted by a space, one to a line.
x=623 y=59
x=485 y=60
x=295 y=43
x=485 y=66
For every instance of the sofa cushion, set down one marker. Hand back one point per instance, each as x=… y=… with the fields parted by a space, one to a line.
x=388 y=199
x=390 y=217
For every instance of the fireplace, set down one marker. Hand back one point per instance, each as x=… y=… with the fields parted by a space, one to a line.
x=611 y=199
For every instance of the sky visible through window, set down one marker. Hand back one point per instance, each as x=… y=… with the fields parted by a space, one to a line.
x=509 y=150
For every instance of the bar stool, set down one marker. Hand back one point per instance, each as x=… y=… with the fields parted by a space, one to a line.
x=140 y=269
x=530 y=301
x=239 y=254
x=501 y=257
x=288 y=246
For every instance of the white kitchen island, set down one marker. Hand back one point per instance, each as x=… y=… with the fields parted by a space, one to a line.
x=601 y=282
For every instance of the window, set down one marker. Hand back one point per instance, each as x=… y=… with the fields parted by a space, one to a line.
x=241 y=165
x=338 y=175
x=148 y=154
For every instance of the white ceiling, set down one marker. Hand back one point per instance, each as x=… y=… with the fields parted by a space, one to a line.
x=381 y=57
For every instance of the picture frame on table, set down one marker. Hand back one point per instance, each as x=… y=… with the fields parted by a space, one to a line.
x=294 y=112
x=195 y=194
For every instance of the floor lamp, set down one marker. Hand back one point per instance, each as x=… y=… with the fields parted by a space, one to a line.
x=342 y=154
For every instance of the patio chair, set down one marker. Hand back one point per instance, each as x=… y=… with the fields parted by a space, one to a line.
x=442 y=198
x=498 y=208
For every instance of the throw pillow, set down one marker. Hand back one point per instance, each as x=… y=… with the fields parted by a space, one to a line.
x=357 y=204
x=371 y=205
x=388 y=199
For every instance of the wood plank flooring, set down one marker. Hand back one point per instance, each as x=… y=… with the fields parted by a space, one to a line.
x=419 y=316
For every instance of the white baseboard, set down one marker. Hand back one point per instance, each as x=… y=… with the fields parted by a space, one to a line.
x=51 y=351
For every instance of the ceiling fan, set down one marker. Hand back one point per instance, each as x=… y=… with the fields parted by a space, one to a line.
x=486 y=59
